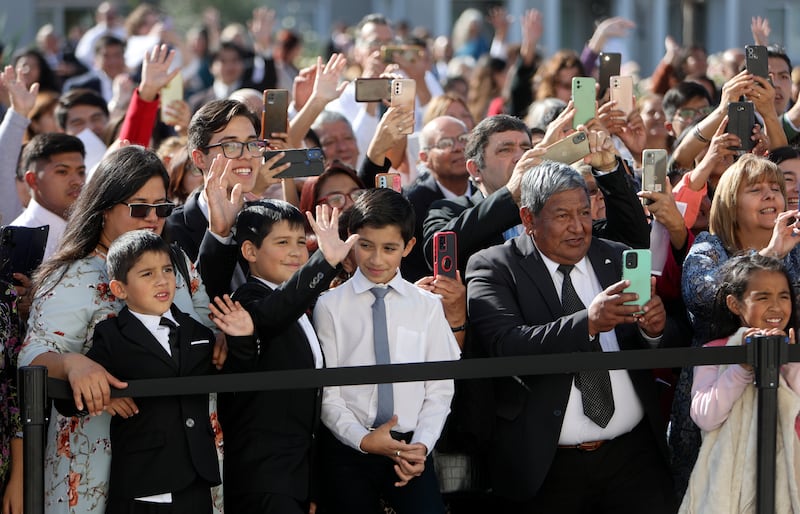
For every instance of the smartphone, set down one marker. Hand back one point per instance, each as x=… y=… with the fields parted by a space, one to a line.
x=403 y=95
x=583 y=97
x=276 y=112
x=390 y=180
x=610 y=63
x=570 y=149
x=445 y=261
x=636 y=267
x=21 y=250
x=169 y=93
x=741 y=119
x=622 y=93
x=373 y=90
x=756 y=60
x=654 y=172
x=304 y=162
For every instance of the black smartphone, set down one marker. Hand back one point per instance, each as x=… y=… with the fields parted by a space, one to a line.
x=445 y=261
x=276 y=112
x=303 y=162
x=373 y=90
x=610 y=63
x=21 y=250
x=756 y=60
x=741 y=119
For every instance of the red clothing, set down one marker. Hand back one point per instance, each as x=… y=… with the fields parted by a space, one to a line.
x=139 y=120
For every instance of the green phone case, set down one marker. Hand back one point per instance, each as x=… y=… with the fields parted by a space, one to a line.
x=638 y=273
x=583 y=98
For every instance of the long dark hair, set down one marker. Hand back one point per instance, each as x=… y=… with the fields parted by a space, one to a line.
x=118 y=176
x=733 y=279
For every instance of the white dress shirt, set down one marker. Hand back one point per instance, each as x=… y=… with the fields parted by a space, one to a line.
x=36 y=216
x=628 y=412
x=418 y=332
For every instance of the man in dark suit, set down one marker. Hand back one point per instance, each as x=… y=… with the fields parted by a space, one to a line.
x=568 y=443
x=497 y=157
x=442 y=152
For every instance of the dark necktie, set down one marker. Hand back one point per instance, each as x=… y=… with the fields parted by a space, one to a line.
x=174 y=348
x=380 y=339
x=594 y=385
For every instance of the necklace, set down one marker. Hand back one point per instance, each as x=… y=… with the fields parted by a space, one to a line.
x=102 y=252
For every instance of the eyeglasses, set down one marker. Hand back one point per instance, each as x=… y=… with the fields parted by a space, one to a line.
x=142 y=210
x=235 y=149
x=339 y=200
x=691 y=114
x=446 y=143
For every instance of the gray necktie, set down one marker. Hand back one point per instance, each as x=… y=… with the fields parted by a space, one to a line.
x=172 y=338
x=380 y=339
x=594 y=385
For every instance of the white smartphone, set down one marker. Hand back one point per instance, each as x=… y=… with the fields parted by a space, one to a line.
x=169 y=93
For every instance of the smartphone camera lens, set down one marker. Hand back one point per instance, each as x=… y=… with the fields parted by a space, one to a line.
x=631 y=260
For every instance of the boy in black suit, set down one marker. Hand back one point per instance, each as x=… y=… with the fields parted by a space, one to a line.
x=164 y=460
x=269 y=434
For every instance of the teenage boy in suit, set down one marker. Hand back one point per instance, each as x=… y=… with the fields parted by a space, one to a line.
x=269 y=434
x=164 y=459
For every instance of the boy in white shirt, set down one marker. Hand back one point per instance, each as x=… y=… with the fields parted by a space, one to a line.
x=382 y=434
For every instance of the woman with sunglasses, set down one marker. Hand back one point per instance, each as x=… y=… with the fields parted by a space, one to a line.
x=127 y=192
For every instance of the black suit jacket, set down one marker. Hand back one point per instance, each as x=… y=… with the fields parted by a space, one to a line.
x=421 y=195
x=169 y=443
x=514 y=309
x=269 y=434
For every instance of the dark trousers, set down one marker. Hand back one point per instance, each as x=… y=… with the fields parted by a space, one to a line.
x=195 y=499
x=626 y=475
x=355 y=483
x=263 y=503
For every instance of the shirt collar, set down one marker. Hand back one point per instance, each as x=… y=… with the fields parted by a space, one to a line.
x=43 y=214
x=152 y=322
x=271 y=285
x=362 y=284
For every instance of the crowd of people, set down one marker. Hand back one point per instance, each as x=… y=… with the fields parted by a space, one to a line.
x=174 y=248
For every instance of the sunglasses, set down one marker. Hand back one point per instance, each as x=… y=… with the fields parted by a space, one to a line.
x=141 y=210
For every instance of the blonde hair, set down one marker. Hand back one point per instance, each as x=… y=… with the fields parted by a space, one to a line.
x=746 y=171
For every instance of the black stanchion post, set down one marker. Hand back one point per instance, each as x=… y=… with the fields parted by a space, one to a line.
x=32 y=382
x=766 y=356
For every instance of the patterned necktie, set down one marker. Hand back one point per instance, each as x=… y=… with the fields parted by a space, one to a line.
x=380 y=339
x=173 y=338
x=594 y=385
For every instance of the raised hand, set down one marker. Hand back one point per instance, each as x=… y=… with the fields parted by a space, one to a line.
x=222 y=206
x=155 y=72
x=326 y=228
x=231 y=317
x=327 y=86
x=760 y=28
x=22 y=99
x=608 y=309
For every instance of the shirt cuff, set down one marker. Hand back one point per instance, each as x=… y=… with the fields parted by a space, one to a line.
x=227 y=240
x=653 y=342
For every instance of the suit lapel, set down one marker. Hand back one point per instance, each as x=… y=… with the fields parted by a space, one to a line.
x=195 y=219
x=605 y=263
x=135 y=331
x=534 y=267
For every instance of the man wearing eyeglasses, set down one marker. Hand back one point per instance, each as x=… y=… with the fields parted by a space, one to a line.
x=683 y=105
x=225 y=131
x=442 y=144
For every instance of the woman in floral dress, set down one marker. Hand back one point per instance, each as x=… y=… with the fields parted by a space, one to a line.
x=72 y=296
x=10 y=424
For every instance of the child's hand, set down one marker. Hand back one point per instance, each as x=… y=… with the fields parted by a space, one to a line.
x=231 y=317
x=326 y=227
x=123 y=407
